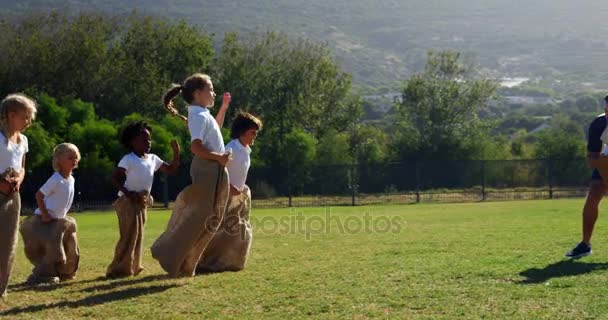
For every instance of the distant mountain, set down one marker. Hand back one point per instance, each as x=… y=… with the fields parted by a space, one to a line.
x=381 y=41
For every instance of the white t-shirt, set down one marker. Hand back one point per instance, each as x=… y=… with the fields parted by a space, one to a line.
x=11 y=154
x=239 y=165
x=203 y=126
x=58 y=195
x=140 y=171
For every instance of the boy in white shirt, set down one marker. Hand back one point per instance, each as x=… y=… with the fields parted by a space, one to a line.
x=133 y=178
x=229 y=248
x=49 y=236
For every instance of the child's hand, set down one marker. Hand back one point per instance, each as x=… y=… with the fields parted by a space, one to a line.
x=6 y=187
x=46 y=218
x=226 y=100
x=234 y=191
x=175 y=146
x=15 y=183
x=224 y=158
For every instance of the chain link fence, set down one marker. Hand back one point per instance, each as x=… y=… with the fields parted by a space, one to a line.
x=399 y=183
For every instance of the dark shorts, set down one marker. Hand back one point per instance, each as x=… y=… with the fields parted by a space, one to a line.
x=596 y=175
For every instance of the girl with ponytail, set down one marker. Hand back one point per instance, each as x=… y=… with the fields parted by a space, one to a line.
x=199 y=208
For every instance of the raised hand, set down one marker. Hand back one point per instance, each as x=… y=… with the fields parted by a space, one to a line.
x=226 y=100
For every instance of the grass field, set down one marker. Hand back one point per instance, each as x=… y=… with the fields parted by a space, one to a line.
x=476 y=260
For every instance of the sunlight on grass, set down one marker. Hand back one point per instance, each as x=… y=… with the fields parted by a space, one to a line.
x=477 y=260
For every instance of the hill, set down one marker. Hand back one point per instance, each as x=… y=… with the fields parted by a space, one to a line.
x=382 y=41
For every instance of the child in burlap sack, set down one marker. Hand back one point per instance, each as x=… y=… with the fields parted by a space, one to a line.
x=49 y=237
x=133 y=178
x=231 y=244
x=199 y=208
x=16 y=114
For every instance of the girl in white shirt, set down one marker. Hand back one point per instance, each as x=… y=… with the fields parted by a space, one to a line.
x=16 y=114
x=230 y=246
x=200 y=207
x=49 y=236
x=133 y=178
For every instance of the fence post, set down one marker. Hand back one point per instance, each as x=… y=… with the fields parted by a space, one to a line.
x=417 y=168
x=483 y=180
x=353 y=185
x=165 y=179
x=549 y=178
x=288 y=185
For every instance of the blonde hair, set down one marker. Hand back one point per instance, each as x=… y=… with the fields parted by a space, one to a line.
x=13 y=103
x=197 y=81
x=61 y=150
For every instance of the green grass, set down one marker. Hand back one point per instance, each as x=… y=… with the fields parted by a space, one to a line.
x=476 y=260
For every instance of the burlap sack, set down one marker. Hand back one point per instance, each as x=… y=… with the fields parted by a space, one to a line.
x=10 y=208
x=51 y=247
x=230 y=246
x=197 y=214
x=132 y=218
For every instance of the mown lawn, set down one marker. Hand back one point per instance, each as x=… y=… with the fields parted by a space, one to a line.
x=492 y=260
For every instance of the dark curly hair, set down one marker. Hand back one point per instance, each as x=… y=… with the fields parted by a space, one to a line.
x=243 y=122
x=131 y=131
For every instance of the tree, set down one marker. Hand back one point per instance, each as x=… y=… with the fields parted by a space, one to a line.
x=55 y=53
x=120 y=65
x=558 y=144
x=40 y=144
x=300 y=153
x=587 y=103
x=368 y=144
x=291 y=84
x=149 y=55
x=439 y=110
x=333 y=149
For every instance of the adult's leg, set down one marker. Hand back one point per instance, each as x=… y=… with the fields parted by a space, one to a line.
x=597 y=189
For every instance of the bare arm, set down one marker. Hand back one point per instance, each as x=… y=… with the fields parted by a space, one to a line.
x=174 y=165
x=44 y=212
x=221 y=114
x=119 y=176
x=200 y=151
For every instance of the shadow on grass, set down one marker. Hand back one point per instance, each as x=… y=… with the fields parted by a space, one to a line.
x=91 y=301
x=206 y=272
x=558 y=269
x=124 y=282
x=24 y=286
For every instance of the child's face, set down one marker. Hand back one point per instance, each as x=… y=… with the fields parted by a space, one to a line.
x=142 y=142
x=248 y=137
x=20 y=120
x=206 y=96
x=69 y=161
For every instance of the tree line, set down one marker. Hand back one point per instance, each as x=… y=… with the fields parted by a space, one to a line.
x=93 y=73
